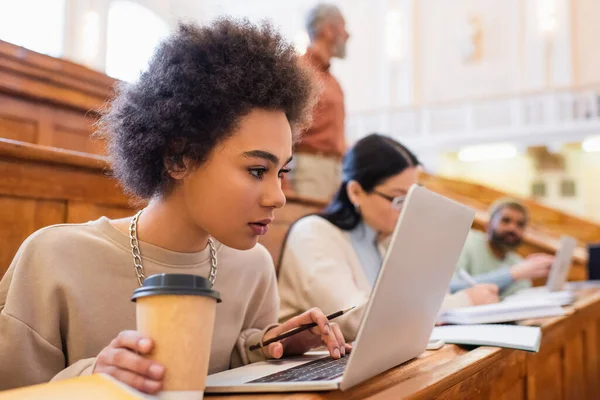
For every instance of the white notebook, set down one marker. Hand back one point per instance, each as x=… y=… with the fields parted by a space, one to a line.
x=561 y=298
x=526 y=338
x=501 y=312
x=582 y=285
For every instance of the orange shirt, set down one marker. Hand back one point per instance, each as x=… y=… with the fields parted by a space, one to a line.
x=326 y=134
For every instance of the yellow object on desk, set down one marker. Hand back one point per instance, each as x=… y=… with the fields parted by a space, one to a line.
x=93 y=387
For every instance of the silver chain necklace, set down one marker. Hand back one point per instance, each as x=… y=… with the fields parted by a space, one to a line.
x=137 y=255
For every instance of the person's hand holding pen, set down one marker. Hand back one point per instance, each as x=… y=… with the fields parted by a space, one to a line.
x=479 y=293
x=304 y=332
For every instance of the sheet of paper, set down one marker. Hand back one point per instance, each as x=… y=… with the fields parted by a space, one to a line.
x=510 y=336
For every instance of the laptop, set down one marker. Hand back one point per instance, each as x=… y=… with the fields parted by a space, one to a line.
x=562 y=264
x=554 y=290
x=593 y=262
x=399 y=315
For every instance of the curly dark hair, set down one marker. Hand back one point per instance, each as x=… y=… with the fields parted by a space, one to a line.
x=200 y=82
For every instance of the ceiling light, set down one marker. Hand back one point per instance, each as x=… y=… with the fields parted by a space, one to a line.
x=591 y=144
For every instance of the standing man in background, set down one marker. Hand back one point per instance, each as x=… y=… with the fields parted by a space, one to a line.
x=317 y=168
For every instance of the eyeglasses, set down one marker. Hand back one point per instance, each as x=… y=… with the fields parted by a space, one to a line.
x=397 y=202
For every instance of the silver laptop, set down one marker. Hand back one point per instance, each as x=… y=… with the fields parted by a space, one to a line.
x=557 y=276
x=562 y=264
x=399 y=316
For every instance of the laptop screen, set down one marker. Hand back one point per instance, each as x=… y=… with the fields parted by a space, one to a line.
x=594 y=262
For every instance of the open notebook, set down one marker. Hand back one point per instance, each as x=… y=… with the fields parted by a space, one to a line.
x=505 y=311
x=526 y=338
x=561 y=298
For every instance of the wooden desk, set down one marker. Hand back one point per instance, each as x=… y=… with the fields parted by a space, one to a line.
x=566 y=367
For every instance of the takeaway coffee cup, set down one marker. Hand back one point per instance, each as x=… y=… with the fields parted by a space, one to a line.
x=177 y=312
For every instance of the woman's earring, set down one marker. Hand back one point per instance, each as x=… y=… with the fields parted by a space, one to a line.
x=357 y=208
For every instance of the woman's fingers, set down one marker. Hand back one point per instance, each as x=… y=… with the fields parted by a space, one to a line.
x=126 y=359
x=134 y=380
x=134 y=341
x=275 y=350
x=123 y=360
x=337 y=332
x=325 y=333
x=317 y=316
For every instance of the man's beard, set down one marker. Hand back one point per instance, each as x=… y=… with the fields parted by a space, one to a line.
x=503 y=242
x=339 y=49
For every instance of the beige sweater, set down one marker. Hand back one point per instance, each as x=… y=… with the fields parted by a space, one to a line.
x=320 y=268
x=67 y=294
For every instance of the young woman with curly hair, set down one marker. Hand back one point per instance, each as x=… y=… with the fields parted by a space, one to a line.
x=204 y=137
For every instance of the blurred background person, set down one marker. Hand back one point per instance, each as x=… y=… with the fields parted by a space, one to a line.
x=317 y=157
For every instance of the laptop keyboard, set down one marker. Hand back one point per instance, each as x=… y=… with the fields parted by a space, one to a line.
x=323 y=369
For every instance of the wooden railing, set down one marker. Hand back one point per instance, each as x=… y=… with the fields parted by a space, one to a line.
x=49 y=101
x=26 y=73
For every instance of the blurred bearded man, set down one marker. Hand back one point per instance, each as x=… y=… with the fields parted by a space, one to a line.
x=490 y=257
x=317 y=159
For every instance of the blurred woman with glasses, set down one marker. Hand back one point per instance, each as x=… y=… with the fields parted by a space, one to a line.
x=343 y=247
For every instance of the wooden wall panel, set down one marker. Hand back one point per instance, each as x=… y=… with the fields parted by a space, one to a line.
x=590 y=359
x=33 y=121
x=18 y=120
x=78 y=139
x=545 y=378
x=40 y=181
x=42 y=186
x=517 y=392
x=73 y=130
x=19 y=218
x=49 y=101
x=79 y=212
x=493 y=382
x=16 y=128
x=574 y=367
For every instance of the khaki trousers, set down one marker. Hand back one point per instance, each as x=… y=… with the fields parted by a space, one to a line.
x=316 y=176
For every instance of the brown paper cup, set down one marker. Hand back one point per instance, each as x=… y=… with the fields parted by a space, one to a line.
x=179 y=317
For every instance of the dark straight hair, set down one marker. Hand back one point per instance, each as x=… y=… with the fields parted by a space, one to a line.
x=372 y=160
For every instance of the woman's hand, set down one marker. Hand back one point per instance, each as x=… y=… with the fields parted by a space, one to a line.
x=324 y=334
x=123 y=360
x=484 y=293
